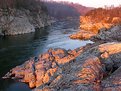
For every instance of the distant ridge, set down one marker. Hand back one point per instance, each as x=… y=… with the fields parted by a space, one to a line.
x=66 y=9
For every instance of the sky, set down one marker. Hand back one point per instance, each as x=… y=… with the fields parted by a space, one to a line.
x=96 y=3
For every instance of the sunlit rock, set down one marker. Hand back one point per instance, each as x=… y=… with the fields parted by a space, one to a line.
x=83 y=35
x=95 y=67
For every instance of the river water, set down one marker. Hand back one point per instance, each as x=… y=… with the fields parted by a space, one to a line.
x=15 y=50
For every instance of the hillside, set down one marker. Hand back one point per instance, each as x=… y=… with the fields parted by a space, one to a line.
x=61 y=10
x=97 y=20
x=105 y=15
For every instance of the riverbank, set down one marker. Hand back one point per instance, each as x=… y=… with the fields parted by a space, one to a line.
x=96 y=21
x=15 y=50
x=89 y=67
x=60 y=69
x=94 y=66
x=21 y=21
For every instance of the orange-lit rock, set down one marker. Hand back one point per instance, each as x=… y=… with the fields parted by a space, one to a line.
x=93 y=28
x=45 y=69
x=82 y=35
x=86 y=23
x=92 y=71
x=116 y=20
x=89 y=28
x=95 y=67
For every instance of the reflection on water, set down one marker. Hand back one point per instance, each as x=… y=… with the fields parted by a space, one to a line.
x=14 y=50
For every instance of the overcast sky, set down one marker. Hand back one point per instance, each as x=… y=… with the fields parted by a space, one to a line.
x=96 y=3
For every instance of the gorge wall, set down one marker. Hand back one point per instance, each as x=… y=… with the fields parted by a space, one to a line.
x=97 y=20
x=19 y=17
x=94 y=67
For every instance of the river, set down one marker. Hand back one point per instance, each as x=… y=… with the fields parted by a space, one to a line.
x=15 y=50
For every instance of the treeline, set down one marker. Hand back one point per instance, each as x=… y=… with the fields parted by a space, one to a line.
x=106 y=15
x=64 y=9
x=61 y=10
x=32 y=5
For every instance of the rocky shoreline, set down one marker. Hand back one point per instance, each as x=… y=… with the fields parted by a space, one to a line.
x=94 y=67
x=22 y=21
x=108 y=35
x=82 y=35
x=93 y=24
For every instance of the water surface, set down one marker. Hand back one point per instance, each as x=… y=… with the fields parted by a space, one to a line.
x=15 y=50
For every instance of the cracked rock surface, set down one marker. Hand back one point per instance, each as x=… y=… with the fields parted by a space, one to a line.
x=94 y=67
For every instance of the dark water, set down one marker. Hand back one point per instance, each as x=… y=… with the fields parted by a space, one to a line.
x=15 y=50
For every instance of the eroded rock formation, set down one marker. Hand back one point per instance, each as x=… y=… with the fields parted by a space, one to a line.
x=22 y=21
x=111 y=34
x=95 y=67
x=98 y=19
x=87 y=23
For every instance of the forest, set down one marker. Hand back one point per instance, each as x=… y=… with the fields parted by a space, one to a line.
x=64 y=9
x=32 y=5
x=106 y=14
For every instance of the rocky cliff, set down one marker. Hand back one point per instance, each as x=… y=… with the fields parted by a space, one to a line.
x=87 y=23
x=97 y=20
x=94 y=67
x=111 y=34
x=22 y=16
x=22 y=21
x=100 y=18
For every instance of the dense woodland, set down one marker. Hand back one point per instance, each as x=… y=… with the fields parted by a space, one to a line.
x=32 y=5
x=55 y=9
x=64 y=9
x=100 y=14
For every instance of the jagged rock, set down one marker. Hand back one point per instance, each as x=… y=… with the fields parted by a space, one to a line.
x=90 y=68
x=22 y=21
x=112 y=34
x=113 y=82
x=45 y=69
x=92 y=71
x=90 y=25
x=101 y=30
x=82 y=35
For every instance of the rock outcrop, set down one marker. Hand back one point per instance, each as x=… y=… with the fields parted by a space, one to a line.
x=98 y=19
x=111 y=34
x=95 y=67
x=83 y=35
x=88 y=28
x=45 y=68
x=88 y=24
x=22 y=21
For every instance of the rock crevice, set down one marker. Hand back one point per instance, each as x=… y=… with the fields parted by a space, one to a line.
x=88 y=68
